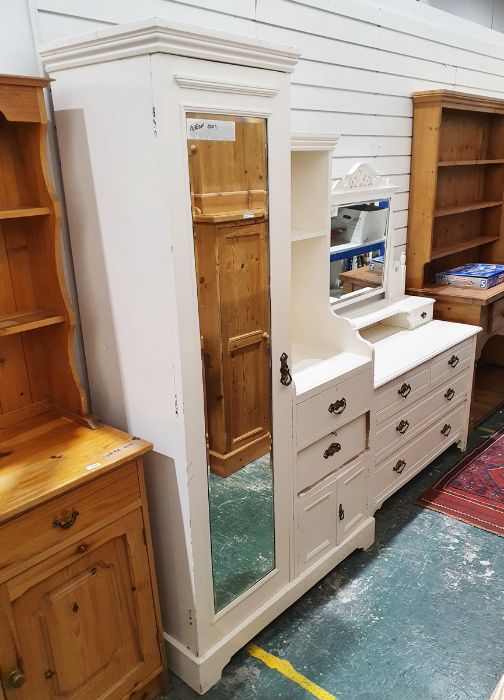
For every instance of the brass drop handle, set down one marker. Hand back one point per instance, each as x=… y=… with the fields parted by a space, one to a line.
x=337 y=407
x=403 y=426
x=332 y=449
x=65 y=519
x=285 y=375
x=450 y=394
x=341 y=512
x=399 y=467
x=405 y=390
x=453 y=361
x=16 y=678
x=446 y=429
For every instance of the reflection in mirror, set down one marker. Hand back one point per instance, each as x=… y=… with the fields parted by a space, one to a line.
x=229 y=195
x=357 y=253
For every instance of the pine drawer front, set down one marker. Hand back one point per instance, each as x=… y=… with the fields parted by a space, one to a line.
x=452 y=361
x=396 y=470
x=402 y=392
x=396 y=432
x=331 y=452
x=28 y=538
x=316 y=523
x=497 y=316
x=333 y=407
x=352 y=491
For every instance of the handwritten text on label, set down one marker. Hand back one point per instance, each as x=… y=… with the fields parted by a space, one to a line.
x=210 y=130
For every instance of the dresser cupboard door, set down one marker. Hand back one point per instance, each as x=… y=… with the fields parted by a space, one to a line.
x=352 y=487
x=81 y=625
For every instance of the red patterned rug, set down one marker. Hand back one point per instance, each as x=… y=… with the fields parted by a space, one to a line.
x=473 y=490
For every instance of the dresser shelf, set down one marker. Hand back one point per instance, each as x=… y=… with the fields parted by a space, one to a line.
x=458 y=247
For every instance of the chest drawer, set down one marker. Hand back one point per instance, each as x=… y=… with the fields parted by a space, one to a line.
x=402 y=392
x=397 y=469
x=404 y=425
x=452 y=361
x=497 y=316
x=26 y=539
x=330 y=453
x=333 y=407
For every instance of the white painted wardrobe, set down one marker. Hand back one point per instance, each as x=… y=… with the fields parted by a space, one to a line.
x=122 y=98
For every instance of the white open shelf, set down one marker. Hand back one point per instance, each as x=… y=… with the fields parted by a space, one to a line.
x=314 y=366
x=306 y=235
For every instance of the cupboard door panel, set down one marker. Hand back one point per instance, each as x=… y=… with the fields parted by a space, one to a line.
x=352 y=487
x=316 y=524
x=83 y=620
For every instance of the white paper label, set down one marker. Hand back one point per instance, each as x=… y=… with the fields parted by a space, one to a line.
x=210 y=130
x=92 y=466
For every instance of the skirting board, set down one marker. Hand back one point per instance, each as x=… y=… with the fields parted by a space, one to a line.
x=201 y=673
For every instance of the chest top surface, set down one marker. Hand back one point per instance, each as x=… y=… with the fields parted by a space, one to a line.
x=47 y=455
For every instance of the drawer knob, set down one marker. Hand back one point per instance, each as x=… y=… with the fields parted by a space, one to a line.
x=285 y=375
x=405 y=390
x=16 y=678
x=338 y=406
x=453 y=361
x=446 y=429
x=82 y=548
x=341 y=512
x=403 y=426
x=65 y=519
x=450 y=394
x=332 y=449
x=424 y=314
x=399 y=467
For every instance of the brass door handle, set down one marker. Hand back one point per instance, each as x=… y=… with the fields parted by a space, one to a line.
x=15 y=679
x=332 y=449
x=65 y=519
x=399 y=467
x=402 y=427
x=405 y=390
x=449 y=394
x=285 y=375
x=453 y=361
x=337 y=407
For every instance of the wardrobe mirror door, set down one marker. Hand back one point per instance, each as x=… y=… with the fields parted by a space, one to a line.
x=229 y=198
x=358 y=245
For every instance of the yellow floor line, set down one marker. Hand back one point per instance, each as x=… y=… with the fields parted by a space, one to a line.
x=288 y=670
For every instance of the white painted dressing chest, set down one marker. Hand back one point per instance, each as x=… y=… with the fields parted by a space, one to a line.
x=357 y=404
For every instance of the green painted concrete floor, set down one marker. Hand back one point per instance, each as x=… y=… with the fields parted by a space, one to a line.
x=419 y=616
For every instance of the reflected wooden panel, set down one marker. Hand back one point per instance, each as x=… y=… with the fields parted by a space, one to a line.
x=231 y=251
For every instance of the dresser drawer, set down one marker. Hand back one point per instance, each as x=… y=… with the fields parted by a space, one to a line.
x=331 y=452
x=396 y=470
x=333 y=407
x=402 y=392
x=394 y=433
x=26 y=539
x=452 y=361
x=496 y=322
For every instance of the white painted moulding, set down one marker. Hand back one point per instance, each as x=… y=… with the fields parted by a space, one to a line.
x=157 y=35
x=312 y=141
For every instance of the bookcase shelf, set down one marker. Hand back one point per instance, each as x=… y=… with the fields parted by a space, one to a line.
x=28 y=321
x=452 y=163
x=23 y=212
x=460 y=209
x=38 y=370
x=468 y=244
